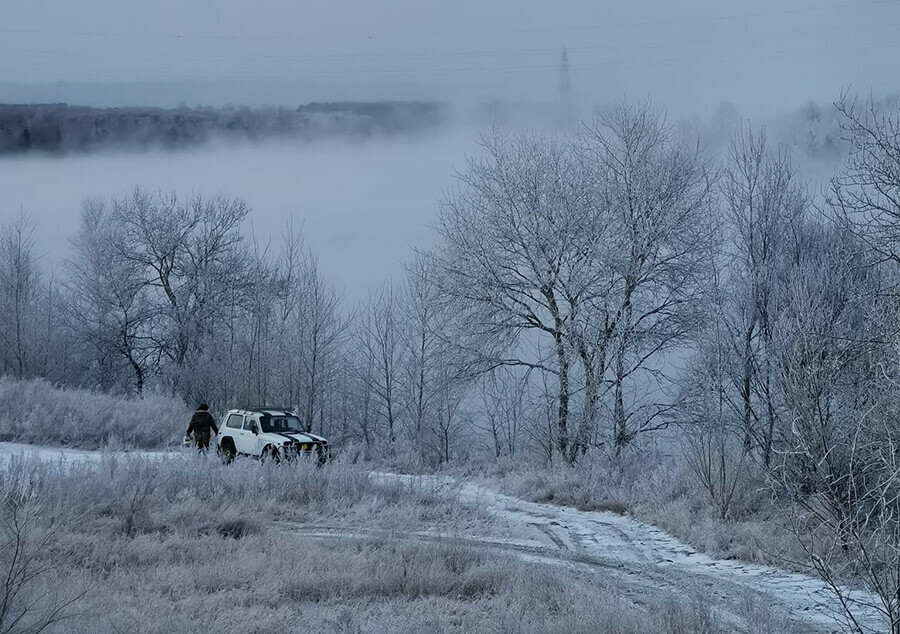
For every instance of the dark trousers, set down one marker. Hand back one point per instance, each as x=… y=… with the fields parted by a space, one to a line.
x=201 y=439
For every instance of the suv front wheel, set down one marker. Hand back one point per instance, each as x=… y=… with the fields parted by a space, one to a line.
x=270 y=453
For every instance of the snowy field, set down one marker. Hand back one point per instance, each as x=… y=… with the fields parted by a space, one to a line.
x=64 y=455
x=146 y=510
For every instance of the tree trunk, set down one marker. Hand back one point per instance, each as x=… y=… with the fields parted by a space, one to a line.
x=138 y=377
x=746 y=391
x=620 y=420
x=562 y=412
x=589 y=417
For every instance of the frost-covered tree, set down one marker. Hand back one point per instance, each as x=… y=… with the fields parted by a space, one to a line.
x=513 y=245
x=19 y=288
x=865 y=197
x=764 y=204
x=380 y=353
x=114 y=313
x=652 y=191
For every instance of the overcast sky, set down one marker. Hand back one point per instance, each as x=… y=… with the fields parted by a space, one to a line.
x=686 y=53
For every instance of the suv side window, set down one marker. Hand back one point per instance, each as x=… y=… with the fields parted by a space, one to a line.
x=247 y=421
x=234 y=421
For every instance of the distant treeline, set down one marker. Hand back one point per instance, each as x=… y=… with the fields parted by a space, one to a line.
x=65 y=128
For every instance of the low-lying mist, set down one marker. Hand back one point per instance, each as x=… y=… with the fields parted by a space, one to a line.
x=362 y=205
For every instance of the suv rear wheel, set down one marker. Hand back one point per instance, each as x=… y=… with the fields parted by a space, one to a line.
x=228 y=450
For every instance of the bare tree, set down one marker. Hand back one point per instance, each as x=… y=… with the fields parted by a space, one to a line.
x=19 y=283
x=275 y=335
x=712 y=435
x=380 y=351
x=866 y=196
x=512 y=239
x=764 y=204
x=503 y=395
x=429 y=332
x=323 y=330
x=259 y=294
x=189 y=252
x=447 y=428
x=364 y=406
x=153 y=278
x=653 y=191
x=838 y=372
x=114 y=315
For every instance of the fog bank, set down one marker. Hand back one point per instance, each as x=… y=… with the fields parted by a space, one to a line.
x=362 y=205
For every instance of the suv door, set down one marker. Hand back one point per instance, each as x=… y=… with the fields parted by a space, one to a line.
x=249 y=440
x=234 y=428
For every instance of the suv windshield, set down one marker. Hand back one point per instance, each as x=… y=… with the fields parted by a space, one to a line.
x=280 y=424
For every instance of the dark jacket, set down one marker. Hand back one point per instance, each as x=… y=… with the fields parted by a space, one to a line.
x=202 y=421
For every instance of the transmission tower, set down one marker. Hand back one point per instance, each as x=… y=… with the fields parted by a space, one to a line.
x=565 y=81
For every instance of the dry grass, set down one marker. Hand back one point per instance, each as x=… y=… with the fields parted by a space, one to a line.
x=188 y=545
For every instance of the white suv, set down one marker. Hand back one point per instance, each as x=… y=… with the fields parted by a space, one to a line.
x=268 y=433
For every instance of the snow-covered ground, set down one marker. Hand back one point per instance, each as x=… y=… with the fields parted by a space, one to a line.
x=649 y=559
x=643 y=559
x=62 y=454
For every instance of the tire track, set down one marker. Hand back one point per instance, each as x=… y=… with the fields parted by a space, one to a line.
x=552 y=536
x=641 y=586
x=649 y=561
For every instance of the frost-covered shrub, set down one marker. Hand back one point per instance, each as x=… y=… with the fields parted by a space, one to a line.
x=39 y=413
x=31 y=595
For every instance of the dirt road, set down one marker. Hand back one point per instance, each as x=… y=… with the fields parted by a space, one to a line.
x=642 y=558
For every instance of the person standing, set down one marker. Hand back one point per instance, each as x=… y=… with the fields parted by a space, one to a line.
x=202 y=423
